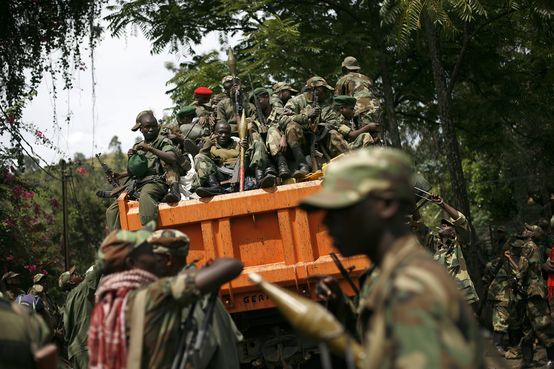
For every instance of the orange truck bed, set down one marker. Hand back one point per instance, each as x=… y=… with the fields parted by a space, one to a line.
x=263 y=228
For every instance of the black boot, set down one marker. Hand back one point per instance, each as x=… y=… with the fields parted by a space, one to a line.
x=284 y=171
x=174 y=195
x=498 y=338
x=270 y=170
x=300 y=159
x=550 y=357
x=264 y=180
x=527 y=353
x=213 y=188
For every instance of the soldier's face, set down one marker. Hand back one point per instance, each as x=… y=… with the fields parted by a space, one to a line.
x=446 y=231
x=223 y=134
x=285 y=95
x=263 y=101
x=321 y=92
x=202 y=99
x=149 y=129
x=347 y=111
x=355 y=229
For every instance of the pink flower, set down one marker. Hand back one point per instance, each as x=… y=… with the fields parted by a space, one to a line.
x=39 y=134
x=54 y=203
x=27 y=194
x=8 y=223
x=44 y=271
x=81 y=171
x=30 y=267
x=10 y=258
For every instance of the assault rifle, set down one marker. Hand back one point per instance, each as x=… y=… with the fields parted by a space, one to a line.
x=110 y=175
x=192 y=340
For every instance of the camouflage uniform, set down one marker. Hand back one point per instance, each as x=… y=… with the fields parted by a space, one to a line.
x=452 y=257
x=76 y=317
x=299 y=124
x=537 y=322
x=363 y=140
x=152 y=190
x=23 y=332
x=213 y=156
x=225 y=112
x=503 y=296
x=411 y=314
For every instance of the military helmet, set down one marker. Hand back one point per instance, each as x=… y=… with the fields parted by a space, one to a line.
x=350 y=63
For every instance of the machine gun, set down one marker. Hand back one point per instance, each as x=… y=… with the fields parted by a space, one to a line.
x=110 y=174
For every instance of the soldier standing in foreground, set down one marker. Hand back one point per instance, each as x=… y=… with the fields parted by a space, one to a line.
x=132 y=300
x=414 y=304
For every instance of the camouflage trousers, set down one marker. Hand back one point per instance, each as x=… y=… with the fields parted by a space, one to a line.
x=363 y=140
x=149 y=196
x=505 y=316
x=256 y=157
x=537 y=322
x=272 y=140
x=333 y=142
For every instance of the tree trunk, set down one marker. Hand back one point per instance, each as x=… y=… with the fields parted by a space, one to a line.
x=451 y=146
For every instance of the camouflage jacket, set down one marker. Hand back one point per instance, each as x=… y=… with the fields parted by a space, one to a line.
x=451 y=256
x=359 y=86
x=502 y=286
x=167 y=304
x=225 y=111
x=531 y=271
x=76 y=312
x=296 y=110
x=276 y=102
x=413 y=316
x=346 y=126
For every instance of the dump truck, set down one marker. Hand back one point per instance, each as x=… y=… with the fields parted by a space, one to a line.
x=272 y=236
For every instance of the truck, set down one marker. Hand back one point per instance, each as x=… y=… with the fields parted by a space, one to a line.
x=272 y=236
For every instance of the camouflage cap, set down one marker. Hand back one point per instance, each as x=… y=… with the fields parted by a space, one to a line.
x=37 y=277
x=283 y=86
x=350 y=63
x=187 y=111
x=518 y=244
x=139 y=117
x=344 y=100
x=170 y=242
x=383 y=171
x=537 y=231
x=120 y=243
x=9 y=275
x=317 y=81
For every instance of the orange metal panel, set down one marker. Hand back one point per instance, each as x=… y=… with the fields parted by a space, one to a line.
x=265 y=229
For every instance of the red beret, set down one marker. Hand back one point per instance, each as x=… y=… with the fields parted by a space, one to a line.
x=203 y=91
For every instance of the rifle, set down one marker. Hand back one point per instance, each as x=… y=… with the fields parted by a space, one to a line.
x=110 y=176
x=193 y=339
x=243 y=131
x=313 y=126
x=344 y=272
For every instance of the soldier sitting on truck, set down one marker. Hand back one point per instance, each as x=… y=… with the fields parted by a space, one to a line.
x=358 y=130
x=152 y=166
x=218 y=162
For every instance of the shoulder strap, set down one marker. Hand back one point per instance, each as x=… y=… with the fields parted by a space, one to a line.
x=136 y=330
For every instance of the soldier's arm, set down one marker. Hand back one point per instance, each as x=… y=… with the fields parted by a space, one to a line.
x=220 y=112
x=295 y=113
x=458 y=219
x=166 y=152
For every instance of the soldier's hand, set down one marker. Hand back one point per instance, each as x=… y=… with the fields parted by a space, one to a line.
x=436 y=199
x=314 y=112
x=548 y=266
x=283 y=144
x=244 y=143
x=328 y=289
x=143 y=146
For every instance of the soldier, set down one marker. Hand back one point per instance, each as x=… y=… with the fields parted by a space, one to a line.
x=357 y=130
x=537 y=322
x=282 y=92
x=76 y=313
x=204 y=108
x=413 y=315
x=23 y=333
x=353 y=83
x=218 y=160
x=308 y=114
x=447 y=245
x=149 y=162
x=226 y=109
x=50 y=312
x=268 y=126
x=133 y=301
x=10 y=285
x=504 y=294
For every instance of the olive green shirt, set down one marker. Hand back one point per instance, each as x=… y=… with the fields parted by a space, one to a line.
x=155 y=166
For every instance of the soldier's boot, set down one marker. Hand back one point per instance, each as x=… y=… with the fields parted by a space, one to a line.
x=264 y=180
x=527 y=353
x=174 y=195
x=213 y=188
x=284 y=171
x=498 y=338
x=301 y=164
x=550 y=357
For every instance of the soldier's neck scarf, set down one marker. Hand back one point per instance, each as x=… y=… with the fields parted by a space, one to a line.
x=107 y=338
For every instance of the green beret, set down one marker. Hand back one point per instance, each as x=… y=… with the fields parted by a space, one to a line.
x=343 y=100
x=187 y=111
